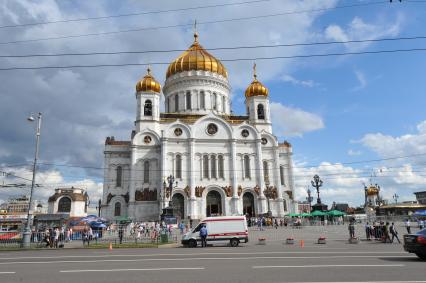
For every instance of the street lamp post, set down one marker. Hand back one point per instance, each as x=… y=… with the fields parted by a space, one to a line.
x=395 y=197
x=309 y=199
x=26 y=239
x=317 y=183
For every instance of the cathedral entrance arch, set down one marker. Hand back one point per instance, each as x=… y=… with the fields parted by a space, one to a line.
x=248 y=204
x=178 y=204
x=214 y=204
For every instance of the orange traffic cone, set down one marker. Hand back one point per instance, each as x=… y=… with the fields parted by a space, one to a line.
x=110 y=246
x=302 y=243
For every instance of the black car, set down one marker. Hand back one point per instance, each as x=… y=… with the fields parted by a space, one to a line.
x=416 y=243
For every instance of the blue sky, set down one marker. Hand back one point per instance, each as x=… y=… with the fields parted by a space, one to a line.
x=332 y=109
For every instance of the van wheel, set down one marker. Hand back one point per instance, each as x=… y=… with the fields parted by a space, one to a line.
x=192 y=243
x=234 y=242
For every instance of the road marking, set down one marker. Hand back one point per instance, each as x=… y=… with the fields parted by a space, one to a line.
x=362 y=282
x=132 y=269
x=7 y=272
x=327 y=265
x=195 y=254
x=195 y=258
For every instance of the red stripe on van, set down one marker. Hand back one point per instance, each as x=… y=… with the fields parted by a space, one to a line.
x=229 y=234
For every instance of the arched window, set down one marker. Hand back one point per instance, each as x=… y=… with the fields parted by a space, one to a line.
x=146 y=172
x=223 y=104
x=179 y=166
x=188 y=100
x=285 y=204
x=213 y=166
x=260 y=112
x=176 y=102
x=221 y=165
x=64 y=205
x=206 y=166
x=202 y=100
x=246 y=166
x=266 y=172
x=282 y=175
x=119 y=174
x=147 y=110
x=117 y=209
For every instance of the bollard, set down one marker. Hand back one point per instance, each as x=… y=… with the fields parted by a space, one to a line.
x=302 y=243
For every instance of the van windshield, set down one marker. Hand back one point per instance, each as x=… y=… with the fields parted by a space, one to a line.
x=198 y=228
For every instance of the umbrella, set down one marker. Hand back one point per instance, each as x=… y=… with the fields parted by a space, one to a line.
x=318 y=213
x=293 y=214
x=335 y=213
x=305 y=214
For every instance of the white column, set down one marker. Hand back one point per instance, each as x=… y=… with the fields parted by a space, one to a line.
x=235 y=199
x=260 y=178
x=163 y=169
x=277 y=180
x=132 y=184
x=192 y=201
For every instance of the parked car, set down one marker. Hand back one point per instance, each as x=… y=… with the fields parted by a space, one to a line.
x=416 y=243
x=232 y=229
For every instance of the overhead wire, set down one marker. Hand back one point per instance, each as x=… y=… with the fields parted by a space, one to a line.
x=191 y=24
x=218 y=48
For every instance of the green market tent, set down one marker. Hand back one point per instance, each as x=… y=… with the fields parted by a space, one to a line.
x=305 y=214
x=318 y=213
x=335 y=213
x=293 y=214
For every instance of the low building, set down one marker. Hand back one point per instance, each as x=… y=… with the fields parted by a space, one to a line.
x=14 y=213
x=71 y=201
x=303 y=207
x=421 y=197
x=402 y=209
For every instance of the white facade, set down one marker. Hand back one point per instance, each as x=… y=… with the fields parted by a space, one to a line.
x=221 y=163
x=72 y=201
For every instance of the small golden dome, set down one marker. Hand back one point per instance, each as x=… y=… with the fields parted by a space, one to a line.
x=148 y=83
x=372 y=191
x=256 y=88
x=196 y=58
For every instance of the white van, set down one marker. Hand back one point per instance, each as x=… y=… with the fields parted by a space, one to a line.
x=232 y=229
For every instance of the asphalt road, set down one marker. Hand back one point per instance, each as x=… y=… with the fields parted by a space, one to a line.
x=336 y=261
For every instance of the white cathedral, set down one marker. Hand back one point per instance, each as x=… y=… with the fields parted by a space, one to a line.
x=197 y=157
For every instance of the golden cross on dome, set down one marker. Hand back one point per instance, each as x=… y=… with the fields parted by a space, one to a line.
x=254 y=70
x=149 y=69
x=195 y=31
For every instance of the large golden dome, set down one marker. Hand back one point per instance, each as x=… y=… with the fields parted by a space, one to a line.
x=256 y=88
x=148 y=83
x=372 y=191
x=196 y=58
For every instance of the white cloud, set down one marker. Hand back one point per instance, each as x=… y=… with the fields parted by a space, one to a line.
x=48 y=181
x=293 y=80
x=352 y=152
x=362 y=81
x=289 y=121
x=358 y=29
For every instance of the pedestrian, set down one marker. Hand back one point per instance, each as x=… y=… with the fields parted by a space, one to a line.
x=120 y=233
x=351 y=229
x=203 y=235
x=276 y=223
x=421 y=224
x=367 y=231
x=394 y=233
x=386 y=233
x=408 y=226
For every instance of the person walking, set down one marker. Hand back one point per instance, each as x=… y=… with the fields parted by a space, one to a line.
x=386 y=233
x=394 y=233
x=367 y=231
x=421 y=224
x=203 y=236
x=408 y=226
x=120 y=233
x=351 y=229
